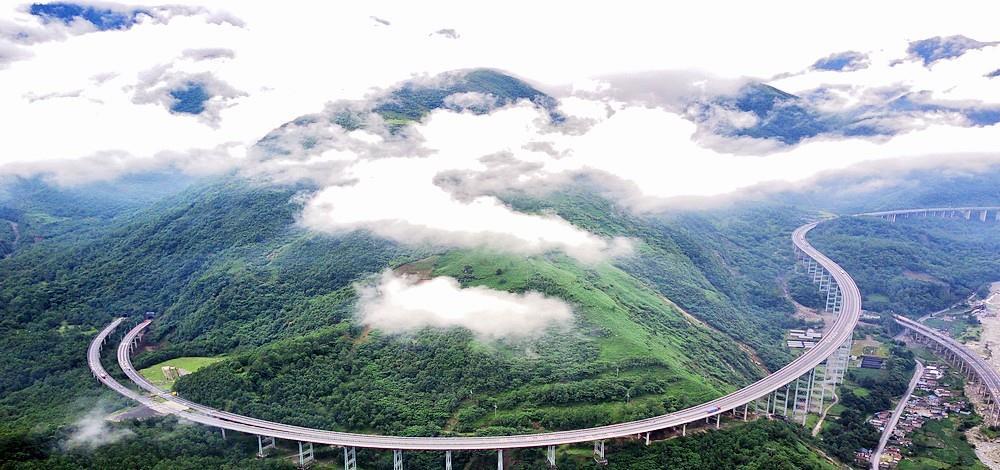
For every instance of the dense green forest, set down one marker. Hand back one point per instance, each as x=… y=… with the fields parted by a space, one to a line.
x=913 y=266
x=758 y=445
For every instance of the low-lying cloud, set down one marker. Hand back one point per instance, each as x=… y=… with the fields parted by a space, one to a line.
x=404 y=304
x=92 y=431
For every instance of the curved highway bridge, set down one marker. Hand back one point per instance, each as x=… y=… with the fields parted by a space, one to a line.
x=970 y=364
x=793 y=391
x=983 y=213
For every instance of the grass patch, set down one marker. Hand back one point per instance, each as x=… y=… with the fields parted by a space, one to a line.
x=629 y=320
x=155 y=375
x=961 y=327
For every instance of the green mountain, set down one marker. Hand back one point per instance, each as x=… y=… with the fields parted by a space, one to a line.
x=230 y=272
x=698 y=310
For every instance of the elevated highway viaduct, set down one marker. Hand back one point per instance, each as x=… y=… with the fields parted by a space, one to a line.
x=793 y=391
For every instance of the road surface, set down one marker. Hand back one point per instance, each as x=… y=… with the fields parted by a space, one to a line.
x=987 y=375
x=891 y=425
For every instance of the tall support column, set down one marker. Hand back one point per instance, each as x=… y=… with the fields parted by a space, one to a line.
x=599 y=453
x=264 y=445
x=784 y=411
x=447 y=460
x=306 y=456
x=551 y=454
x=500 y=459
x=351 y=459
x=223 y=433
x=397 y=459
x=795 y=402
x=718 y=420
x=805 y=414
x=822 y=387
x=684 y=430
x=745 y=407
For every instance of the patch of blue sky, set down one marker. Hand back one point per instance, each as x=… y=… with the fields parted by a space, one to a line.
x=842 y=61
x=189 y=99
x=103 y=19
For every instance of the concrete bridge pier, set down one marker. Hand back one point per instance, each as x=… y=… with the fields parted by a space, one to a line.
x=834 y=299
x=550 y=454
x=599 y=453
x=499 y=459
x=264 y=445
x=397 y=459
x=306 y=456
x=812 y=379
x=351 y=459
x=447 y=460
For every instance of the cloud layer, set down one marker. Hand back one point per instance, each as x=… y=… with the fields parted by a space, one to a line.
x=98 y=105
x=402 y=304
x=92 y=431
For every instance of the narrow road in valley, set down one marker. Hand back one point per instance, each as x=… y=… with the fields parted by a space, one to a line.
x=891 y=425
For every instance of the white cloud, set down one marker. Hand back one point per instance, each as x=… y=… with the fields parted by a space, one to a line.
x=92 y=430
x=396 y=198
x=960 y=79
x=69 y=111
x=402 y=304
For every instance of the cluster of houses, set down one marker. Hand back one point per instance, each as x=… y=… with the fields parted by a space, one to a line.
x=930 y=401
x=803 y=339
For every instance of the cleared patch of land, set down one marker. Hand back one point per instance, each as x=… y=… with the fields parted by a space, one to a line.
x=869 y=347
x=186 y=365
x=918 y=276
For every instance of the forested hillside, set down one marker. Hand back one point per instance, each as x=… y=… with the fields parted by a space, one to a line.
x=913 y=266
x=229 y=271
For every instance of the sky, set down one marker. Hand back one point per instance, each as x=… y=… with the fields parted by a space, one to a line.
x=650 y=94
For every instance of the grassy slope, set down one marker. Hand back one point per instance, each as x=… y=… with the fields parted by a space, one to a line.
x=627 y=339
x=637 y=322
x=189 y=364
x=723 y=267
